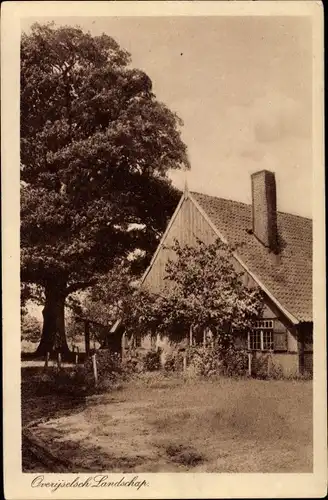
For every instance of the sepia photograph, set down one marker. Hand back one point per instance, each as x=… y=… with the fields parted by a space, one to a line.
x=166 y=248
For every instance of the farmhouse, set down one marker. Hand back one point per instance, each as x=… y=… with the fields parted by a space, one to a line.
x=274 y=252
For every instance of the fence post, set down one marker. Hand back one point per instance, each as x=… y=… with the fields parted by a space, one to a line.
x=94 y=366
x=87 y=337
x=59 y=360
x=184 y=361
x=190 y=336
x=76 y=351
x=249 y=363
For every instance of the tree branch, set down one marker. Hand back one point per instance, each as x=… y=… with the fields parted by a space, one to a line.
x=79 y=285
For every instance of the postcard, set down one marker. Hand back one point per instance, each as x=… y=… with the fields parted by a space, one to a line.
x=163 y=250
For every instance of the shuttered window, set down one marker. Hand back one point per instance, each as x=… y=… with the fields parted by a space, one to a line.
x=280 y=336
x=280 y=341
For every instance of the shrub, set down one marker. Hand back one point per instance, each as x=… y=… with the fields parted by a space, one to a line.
x=133 y=362
x=79 y=380
x=204 y=362
x=109 y=364
x=110 y=370
x=28 y=346
x=152 y=360
x=235 y=362
x=30 y=328
x=212 y=361
x=173 y=362
x=264 y=368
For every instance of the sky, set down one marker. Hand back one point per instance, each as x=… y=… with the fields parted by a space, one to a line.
x=243 y=88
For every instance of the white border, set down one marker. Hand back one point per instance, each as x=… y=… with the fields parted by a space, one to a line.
x=17 y=484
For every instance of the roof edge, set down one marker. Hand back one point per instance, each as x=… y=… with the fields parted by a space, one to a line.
x=249 y=205
x=289 y=315
x=184 y=196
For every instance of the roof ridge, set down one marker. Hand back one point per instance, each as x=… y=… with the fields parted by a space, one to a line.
x=250 y=205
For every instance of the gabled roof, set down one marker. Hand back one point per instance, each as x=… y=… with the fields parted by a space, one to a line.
x=288 y=277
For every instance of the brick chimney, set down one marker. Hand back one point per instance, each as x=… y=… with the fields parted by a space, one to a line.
x=265 y=209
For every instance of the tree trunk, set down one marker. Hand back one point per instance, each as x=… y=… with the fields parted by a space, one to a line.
x=53 y=337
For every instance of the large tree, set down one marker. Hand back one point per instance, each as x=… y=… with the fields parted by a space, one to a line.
x=96 y=148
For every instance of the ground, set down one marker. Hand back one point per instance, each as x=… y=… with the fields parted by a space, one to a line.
x=159 y=424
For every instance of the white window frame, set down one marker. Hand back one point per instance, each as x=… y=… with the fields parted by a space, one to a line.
x=261 y=327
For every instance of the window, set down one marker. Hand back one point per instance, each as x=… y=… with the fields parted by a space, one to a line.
x=255 y=340
x=264 y=324
x=267 y=339
x=261 y=337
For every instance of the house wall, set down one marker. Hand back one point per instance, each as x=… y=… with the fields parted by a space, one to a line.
x=287 y=361
x=188 y=225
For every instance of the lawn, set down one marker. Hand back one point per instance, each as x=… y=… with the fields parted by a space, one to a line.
x=160 y=424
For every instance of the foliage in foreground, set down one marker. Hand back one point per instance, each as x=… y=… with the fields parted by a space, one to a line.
x=79 y=381
x=203 y=291
x=209 y=361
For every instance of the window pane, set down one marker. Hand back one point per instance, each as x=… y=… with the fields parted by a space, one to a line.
x=267 y=339
x=255 y=340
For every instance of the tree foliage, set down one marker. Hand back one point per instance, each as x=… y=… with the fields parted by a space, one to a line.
x=204 y=290
x=30 y=328
x=112 y=296
x=96 y=148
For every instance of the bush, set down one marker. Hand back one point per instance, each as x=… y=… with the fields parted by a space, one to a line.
x=213 y=361
x=79 y=380
x=110 y=370
x=235 y=362
x=152 y=360
x=173 y=362
x=30 y=328
x=109 y=364
x=203 y=362
x=133 y=362
x=136 y=362
x=27 y=346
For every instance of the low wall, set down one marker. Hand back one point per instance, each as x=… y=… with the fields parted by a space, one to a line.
x=264 y=363
x=288 y=362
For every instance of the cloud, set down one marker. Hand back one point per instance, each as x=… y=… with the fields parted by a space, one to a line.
x=253 y=154
x=278 y=116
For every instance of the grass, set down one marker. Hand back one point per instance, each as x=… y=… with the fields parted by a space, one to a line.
x=158 y=424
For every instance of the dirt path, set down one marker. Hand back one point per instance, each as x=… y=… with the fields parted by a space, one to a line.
x=168 y=426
